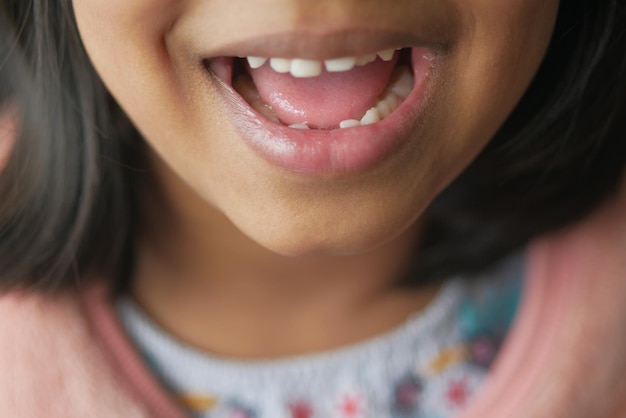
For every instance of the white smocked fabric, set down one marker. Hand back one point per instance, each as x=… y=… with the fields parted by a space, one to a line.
x=429 y=367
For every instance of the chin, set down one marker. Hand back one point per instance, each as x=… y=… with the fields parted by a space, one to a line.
x=328 y=238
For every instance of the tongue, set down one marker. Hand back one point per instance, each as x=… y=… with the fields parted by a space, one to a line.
x=323 y=102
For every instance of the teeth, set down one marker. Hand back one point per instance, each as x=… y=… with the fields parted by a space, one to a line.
x=340 y=64
x=302 y=126
x=366 y=59
x=305 y=68
x=302 y=68
x=393 y=101
x=386 y=55
x=370 y=117
x=384 y=109
x=350 y=123
x=280 y=65
x=402 y=82
x=256 y=62
x=389 y=102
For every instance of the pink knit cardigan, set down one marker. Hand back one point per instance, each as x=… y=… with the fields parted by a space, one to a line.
x=67 y=357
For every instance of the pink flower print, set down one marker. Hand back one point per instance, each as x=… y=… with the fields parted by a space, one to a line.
x=300 y=410
x=483 y=351
x=458 y=392
x=407 y=393
x=352 y=406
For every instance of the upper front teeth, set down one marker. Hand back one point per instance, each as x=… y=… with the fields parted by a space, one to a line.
x=305 y=68
x=302 y=68
x=340 y=64
x=256 y=62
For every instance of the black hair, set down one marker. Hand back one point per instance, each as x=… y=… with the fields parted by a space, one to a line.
x=68 y=211
x=67 y=206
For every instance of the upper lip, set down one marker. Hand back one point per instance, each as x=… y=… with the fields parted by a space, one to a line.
x=320 y=47
x=431 y=24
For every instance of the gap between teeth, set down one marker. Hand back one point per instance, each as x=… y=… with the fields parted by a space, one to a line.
x=398 y=90
x=304 y=68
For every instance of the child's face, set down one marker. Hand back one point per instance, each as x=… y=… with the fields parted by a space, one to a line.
x=319 y=191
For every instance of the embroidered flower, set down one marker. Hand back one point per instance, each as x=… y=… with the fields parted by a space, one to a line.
x=448 y=358
x=300 y=409
x=351 y=405
x=406 y=396
x=197 y=402
x=483 y=351
x=458 y=392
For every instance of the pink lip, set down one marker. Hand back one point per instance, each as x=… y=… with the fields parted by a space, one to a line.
x=330 y=152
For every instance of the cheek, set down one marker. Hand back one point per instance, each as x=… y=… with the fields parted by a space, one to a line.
x=506 y=41
x=502 y=47
x=135 y=15
x=125 y=41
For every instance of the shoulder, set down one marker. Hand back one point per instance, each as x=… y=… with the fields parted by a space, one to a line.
x=51 y=365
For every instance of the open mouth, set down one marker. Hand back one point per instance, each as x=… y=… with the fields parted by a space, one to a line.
x=331 y=94
x=340 y=114
x=327 y=94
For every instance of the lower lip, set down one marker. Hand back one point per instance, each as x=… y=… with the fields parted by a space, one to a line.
x=331 y=152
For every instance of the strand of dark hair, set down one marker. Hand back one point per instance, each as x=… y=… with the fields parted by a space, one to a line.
x=66 y=206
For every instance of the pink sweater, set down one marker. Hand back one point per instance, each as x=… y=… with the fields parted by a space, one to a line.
x=67 y=357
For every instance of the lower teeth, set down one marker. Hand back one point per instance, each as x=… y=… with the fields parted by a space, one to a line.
x=399 y=88
x=397 y=91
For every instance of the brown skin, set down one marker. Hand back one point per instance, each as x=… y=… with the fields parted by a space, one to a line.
x=243 y=259
x=8 y=122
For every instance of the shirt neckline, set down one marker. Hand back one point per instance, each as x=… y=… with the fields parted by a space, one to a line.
x=422 y=322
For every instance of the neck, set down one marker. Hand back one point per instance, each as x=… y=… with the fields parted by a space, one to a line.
x=212 y=287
